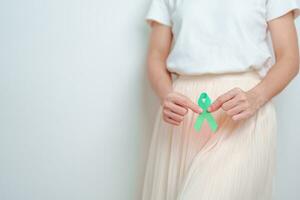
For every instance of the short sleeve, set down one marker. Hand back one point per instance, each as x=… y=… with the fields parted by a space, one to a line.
x=158 y=11
x=277 y=8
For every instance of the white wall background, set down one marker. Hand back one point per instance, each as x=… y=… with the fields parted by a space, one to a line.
x=76 y=109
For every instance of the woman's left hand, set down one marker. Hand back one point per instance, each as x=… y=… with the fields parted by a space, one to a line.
x=238 y=104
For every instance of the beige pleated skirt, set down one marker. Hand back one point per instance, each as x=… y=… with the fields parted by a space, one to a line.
x=235 y=163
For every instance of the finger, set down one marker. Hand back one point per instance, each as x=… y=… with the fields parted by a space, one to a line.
x=175 y=108
x=194 y=107
x=236 y=110
x=230 y=104
x=222 y=99
x=187 y=103
x=241 y=116
x=170 y=121
x=172 y=115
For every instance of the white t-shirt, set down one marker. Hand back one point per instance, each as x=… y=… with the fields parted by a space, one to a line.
x=213 y=36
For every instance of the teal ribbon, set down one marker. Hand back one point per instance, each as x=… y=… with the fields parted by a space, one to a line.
x=204 y=102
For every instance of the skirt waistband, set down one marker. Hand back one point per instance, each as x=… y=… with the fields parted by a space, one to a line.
x=251 y=74
x=216 y=83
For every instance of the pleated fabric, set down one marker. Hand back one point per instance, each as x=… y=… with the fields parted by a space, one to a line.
x=235 y=163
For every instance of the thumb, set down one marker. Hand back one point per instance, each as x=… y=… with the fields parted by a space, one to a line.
x=194 y=107
x=215 y=105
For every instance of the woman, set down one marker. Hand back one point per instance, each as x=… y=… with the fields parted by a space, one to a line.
x=221 y=48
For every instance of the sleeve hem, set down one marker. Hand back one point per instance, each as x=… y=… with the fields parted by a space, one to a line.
x=158 y=12
x=149 y=21
x=295 y=9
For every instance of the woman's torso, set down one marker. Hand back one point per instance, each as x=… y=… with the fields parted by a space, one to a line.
x=218 y=36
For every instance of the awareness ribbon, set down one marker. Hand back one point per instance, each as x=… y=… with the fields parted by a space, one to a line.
x=204 y=102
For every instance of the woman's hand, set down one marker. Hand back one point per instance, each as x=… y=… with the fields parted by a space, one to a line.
x=175 y=107
x=238 y=104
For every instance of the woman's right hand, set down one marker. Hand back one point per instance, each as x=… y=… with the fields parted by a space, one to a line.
x=175 y=107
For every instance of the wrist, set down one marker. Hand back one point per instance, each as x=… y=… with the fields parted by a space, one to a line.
x=260 y=94
x=164 y=95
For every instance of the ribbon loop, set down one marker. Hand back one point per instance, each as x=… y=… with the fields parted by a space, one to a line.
x=204 y=102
